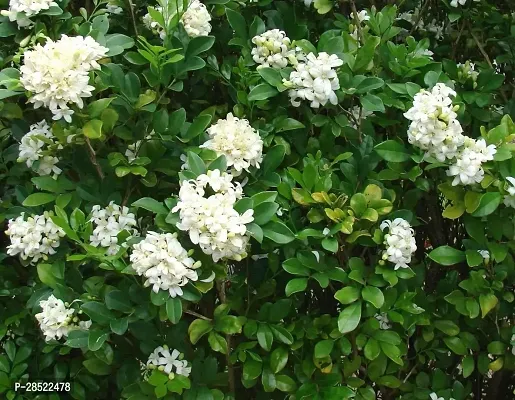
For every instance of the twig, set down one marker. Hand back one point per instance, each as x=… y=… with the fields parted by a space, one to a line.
x=455 y=44
x=128 y=192
x=196 y=314
x=422 y=11
x=356 y=21
x=131 y=9
x=487 y=58
x=409 y=373
x=220 y=284
x=93 y=158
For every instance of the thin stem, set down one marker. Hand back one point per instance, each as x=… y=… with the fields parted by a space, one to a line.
x=196 y=314
x=356 y=21
x=422 y=11
x=93 y=158
x=220 y=284
x=131 y=9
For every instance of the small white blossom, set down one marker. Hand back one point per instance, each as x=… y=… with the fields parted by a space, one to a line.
x=513 y=344
x=455 y=3
x=434 y=396
x=362 y=16
x=485 y=254
x=315 y=80
x=400 y=242
x=108 y=223
x=164 y=262
x=37 y=237
x=384 y=322
x=210 y=219
x=509 y=199
x=272 y=49
x=33 y=147
x=170 y=361
x=469 y=70
x=468 y=167
x=21 y=10
x=307 y=3
x=356 y=111
x=57 y=320
x=196 y=19
x=113 y=8
x=57 y=74
x=235 y=139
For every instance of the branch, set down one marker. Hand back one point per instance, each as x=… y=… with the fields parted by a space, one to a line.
x=131 y=9
x=356 y=21
x=93 y=158
x=196 y=314
x=220 y=284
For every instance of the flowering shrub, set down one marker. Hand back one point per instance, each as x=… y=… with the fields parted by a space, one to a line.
x=256 y=199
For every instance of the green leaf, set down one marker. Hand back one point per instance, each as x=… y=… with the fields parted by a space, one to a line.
x=97 y=367
x=119 y=301
x=288 y=124
x=446 y=255
x=96 y=339
x=373 y=295
x=119 y=325
x=447 y=327
x=368 y=84
x=174 y=309
x=237 y=22
x=271 y=75
x=323 y=348
x=196 y=164
x=93 y=129
x=264 y=212
x=278 y=359
x=98 y=312
x=456 y=345
x=262 y=91
x=468 y=366
x=152 y=205
x=217 y=342
x=392 y=151
x=296 y=285
x=487 y=302
x=265 y=337
x=285 y=384
x=252 y=369
x=488 y=204
x=117 y=43
x=37 y=199
x=349 y=318
x=294 y=266
x=199 y=328
x=49 y=275
x=347 y=295
x=273 y=158
x=198 y=126
x=228 y=324
x=199 y=44
x=330 y=244
x=95 y=108
x=278 y=232
x=372 y=103
x=77 y=339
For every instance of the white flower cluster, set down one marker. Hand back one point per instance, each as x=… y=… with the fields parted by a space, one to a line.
x=400 y=242
x=435 y=27
x=168 y=362
x=113 y=8
x=21 y=10
x=206 y=207
x=109 y=222
x=164 y=262
x=509 y=199
x=384 y=321
x=307 y=3
x=362 y=17
x=272 y=49
x=485 y=254
x=455 y=3
x=36 y=237
x=235 y=139
x=57 y=319
x=57 y=74
x=315 y=80
x=34 y=147
x=435 y=128
x=195 y=20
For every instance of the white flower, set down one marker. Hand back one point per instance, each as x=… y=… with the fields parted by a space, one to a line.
x=400 y=242
x=170 y=361
x=485 y=254
x=164 y=262
x=434 y=396
x=235 y=139
x=196 y=19
x=513 y=343
x=272 y=49
x=509 y=199
x=384 y=322
x=56 y=74
x=32 y=149
x=37 y=237
x=362 y=16
x=113 y=8
x=56 y=319
x=454 y=3
x=132 y=149
x=108 y=223
x=21 y=10
x=210 y=218
x=307 y=3
x=315 y=80
x=467 y=169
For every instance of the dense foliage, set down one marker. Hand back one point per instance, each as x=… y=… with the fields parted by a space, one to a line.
x=257 y=199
